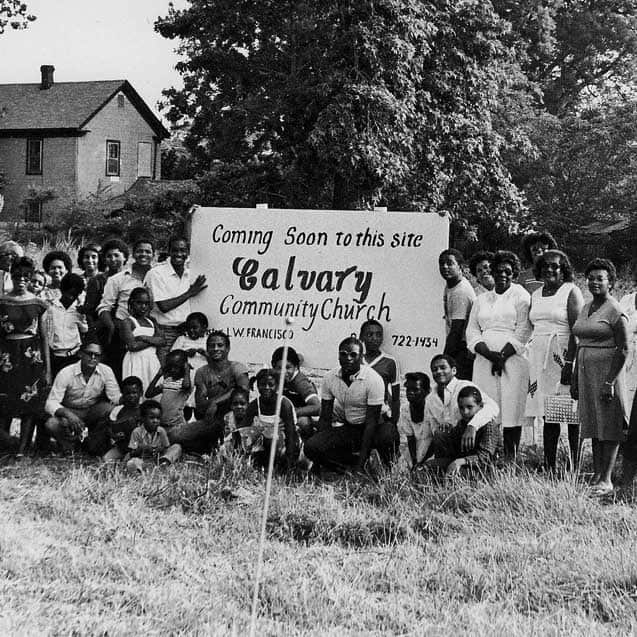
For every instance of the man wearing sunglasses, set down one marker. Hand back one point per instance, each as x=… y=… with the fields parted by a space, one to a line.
x=81 y=395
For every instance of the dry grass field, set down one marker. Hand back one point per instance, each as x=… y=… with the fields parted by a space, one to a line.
x=86 y=550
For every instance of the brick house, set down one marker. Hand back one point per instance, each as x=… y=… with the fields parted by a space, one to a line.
x=73 y=139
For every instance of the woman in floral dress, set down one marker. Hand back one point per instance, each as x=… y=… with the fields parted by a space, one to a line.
x=25 y=368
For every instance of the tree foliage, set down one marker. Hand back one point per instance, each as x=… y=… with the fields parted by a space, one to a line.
x=573 y=48
x=344 y=103
x=14 y=15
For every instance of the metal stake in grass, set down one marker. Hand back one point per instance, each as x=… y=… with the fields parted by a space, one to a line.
x=268 y=484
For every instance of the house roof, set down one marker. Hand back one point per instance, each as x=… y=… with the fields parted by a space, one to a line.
x=146 y=187
x=65 y=106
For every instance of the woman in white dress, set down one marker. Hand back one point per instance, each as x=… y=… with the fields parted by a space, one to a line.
x=555 y=306
x=497 y=333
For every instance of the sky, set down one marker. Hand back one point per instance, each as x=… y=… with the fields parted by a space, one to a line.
x=93 y=40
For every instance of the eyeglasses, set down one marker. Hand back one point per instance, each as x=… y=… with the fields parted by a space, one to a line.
x=91 y=354
x=551 y=266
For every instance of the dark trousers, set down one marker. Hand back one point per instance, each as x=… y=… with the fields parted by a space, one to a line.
x=551 y=440
x=200 y=436
x=511 y=438
x=464 y=364
x=629 y=447
x=336 y=447
x=59 y=362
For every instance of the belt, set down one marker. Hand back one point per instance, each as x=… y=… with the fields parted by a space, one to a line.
x=65 y=353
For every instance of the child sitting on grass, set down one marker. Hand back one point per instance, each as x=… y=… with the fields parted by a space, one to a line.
x=411 y=423
x=123 y=419
x=447 y=447
x=149 y=441
x=175 y=388
x=254 y=435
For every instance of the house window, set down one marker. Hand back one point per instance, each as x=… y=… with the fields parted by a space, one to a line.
x=120 y=101
x=34 y=156
x=33 y=212
x=112 y=158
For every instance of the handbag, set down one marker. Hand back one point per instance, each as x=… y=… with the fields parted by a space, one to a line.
x=561 y=408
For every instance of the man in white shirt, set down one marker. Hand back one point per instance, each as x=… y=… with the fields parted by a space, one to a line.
x=75 y=401
x=441 y=407
x=351 y=399
x=171 y=290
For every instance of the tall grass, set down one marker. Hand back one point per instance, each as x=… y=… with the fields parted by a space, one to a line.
x=87 y=550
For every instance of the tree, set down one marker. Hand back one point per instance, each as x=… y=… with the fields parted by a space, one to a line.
x=344 y=103
x=14 y=14
x=586 y=170
x=573 y=48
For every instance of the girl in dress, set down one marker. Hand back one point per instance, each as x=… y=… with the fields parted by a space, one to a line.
x=497 y=332
x=139 y=334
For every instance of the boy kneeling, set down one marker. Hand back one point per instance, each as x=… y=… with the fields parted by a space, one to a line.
x=447 y=447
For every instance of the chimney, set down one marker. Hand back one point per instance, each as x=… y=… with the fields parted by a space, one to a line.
x=47 y=76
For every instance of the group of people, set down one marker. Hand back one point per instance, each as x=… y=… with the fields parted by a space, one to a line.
x=110 y=359
x=526 y=336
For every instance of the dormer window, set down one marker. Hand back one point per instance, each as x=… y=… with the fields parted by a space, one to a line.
x=34 y=156
x=112 y=158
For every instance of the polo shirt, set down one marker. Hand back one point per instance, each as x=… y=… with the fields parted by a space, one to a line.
x=299 y=389
x=164 y=283
x=367 y=389
x=117 y=291
x=70 y=388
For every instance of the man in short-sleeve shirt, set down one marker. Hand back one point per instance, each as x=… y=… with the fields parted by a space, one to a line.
x=171 y=289
x=458 y=299
x=350 y=425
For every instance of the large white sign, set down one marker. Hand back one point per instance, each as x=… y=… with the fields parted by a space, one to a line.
x=326 y=271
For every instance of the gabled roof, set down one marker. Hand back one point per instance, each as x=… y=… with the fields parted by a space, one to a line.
x=65 y=106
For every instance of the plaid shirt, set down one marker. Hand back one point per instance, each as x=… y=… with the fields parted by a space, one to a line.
x=449 y=444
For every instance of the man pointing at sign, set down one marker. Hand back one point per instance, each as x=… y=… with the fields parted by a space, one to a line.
x=169 y=283
x=350 y=424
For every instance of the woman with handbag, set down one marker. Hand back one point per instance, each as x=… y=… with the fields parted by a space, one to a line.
x=497 y=333
x=555 y=307
x=602 y=333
